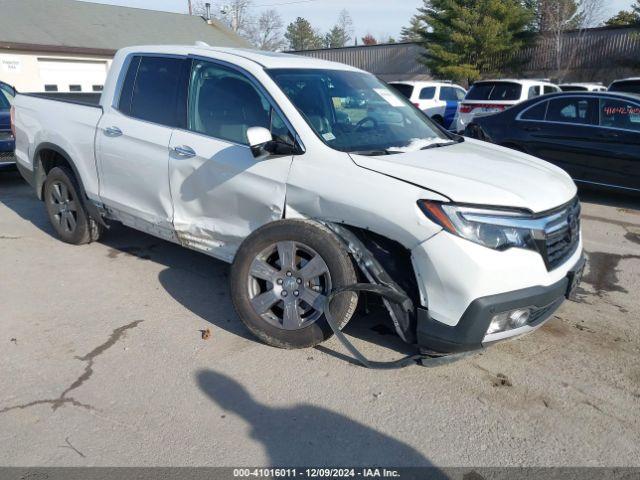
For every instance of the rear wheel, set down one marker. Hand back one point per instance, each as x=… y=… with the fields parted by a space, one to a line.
x=65 y=209
x=281 y=277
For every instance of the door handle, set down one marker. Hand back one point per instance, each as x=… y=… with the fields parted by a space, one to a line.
x=532 y=129
x=112 y=132
x=183 y=151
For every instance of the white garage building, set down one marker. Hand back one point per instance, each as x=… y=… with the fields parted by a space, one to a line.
x=67 y=45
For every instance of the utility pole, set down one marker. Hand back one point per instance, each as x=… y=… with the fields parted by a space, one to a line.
x=190 y=7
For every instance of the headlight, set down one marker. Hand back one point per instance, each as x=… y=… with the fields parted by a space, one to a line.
x=492 y=228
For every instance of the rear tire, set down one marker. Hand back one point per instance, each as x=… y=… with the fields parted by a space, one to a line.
x=65 y=208
x=277 y=298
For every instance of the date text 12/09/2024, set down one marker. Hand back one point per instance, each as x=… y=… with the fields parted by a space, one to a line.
x=316 y=473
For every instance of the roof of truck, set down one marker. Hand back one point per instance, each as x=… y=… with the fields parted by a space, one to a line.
x=268 y=60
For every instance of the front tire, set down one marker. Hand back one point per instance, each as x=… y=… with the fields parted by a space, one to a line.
x=280 y=279
x=65 y=208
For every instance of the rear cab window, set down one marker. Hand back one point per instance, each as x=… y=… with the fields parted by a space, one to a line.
x=496 y=91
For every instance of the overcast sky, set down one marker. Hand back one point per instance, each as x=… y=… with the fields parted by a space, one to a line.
x=382 y=18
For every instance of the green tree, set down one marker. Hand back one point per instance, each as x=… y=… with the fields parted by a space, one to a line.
x=465 y=39
x=340 y=34
x=302 y=36
x=412 y=33
x=626 y=17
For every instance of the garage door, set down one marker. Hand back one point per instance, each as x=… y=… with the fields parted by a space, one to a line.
x=71 y=75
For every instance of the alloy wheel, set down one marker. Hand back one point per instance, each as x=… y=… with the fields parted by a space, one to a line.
x=288 y=283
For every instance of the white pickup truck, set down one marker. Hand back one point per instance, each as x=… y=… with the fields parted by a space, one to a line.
x=308 y=176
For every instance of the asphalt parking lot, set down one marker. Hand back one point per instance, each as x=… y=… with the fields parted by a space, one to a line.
x=103 y=364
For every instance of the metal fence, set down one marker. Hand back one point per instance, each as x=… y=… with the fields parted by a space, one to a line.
x=601 y=54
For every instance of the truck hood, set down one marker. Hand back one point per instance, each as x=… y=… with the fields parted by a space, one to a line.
x=479 y=173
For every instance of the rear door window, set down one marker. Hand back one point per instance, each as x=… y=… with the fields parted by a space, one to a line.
x=498 y=91
x=152 y=88
x=534 y=91
x=575 y=110
x=428 y=93
x=619 y=114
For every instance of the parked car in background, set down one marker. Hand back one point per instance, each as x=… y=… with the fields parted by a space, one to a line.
x=439 y=100
x=7 y=143
x=582 y=87
x=627 y=85
x=253 y=158
x=595 y=137
x=493 y=96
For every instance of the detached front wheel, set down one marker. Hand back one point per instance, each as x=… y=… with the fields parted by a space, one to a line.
x=281 y=277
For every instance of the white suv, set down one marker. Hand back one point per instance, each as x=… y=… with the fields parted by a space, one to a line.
x=439 y=100
x=493 y=96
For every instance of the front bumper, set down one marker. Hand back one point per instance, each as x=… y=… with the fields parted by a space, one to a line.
x=470 y=332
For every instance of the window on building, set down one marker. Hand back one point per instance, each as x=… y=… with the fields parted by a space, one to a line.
x=50 y=88
x=75 y=88
x=98 y=88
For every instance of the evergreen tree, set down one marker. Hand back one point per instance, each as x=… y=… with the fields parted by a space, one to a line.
x=340 y=34
x=465 y=39
x=626 y=17
x=302 y=36
x=412 y=32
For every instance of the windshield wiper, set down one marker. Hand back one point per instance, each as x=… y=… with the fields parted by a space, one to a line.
x=376 y=153
x=438 y=145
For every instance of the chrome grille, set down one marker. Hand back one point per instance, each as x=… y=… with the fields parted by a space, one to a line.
x=561 y=235
x=7 y=157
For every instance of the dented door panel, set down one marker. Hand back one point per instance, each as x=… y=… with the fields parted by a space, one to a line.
x=223 y=193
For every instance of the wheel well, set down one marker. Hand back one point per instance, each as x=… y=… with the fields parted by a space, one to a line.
x=47 y=160
x=393 y=257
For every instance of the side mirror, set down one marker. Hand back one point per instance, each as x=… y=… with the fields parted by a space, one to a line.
x=262 y=144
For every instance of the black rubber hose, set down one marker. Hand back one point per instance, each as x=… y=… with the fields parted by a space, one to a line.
x=388 y=294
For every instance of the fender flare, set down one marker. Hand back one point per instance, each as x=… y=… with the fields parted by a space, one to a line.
x=40 y=177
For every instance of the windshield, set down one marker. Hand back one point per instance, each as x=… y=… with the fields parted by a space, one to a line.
x=500 y=91
x=628 y=87
x=355 y=112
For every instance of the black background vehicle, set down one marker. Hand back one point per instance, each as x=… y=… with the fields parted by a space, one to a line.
x=595 y=137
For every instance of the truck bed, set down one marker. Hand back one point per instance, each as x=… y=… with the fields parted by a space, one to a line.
x=88 y=99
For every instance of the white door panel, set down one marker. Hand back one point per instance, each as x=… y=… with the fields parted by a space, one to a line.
x=134 y=168
x=223 y=193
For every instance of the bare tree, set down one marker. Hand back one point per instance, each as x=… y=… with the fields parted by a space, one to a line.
x=267 y=33
x=557 y=17
x=233 y=13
